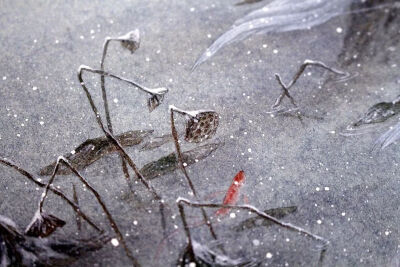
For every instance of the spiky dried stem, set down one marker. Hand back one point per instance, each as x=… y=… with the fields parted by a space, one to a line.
x=118 y=146
x=285 y=88
x=113 y=224
x=54 y=190
x=182 y=167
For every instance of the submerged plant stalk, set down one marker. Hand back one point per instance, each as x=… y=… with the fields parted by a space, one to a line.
x=106 y=108
x=182 y=167
x=76 y=200
x=99 y=200
x=115 y=142
x=53 y=189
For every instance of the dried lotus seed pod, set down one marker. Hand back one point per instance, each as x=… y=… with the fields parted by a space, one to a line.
x=201 y=127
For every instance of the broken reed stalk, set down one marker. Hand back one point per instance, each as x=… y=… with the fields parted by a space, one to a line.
x=114 y=141
x=62 y=160
x=285 y=88
x=76 y=201
x=182 y=167
x=54 y=190
x=107 y=111
x=180 y=201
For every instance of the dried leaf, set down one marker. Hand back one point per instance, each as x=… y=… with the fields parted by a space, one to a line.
x=379 y=113
x=43 y=224
x=201 y=127
x=94 y=149
x=170 y=162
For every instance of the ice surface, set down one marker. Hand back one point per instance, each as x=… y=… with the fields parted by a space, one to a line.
x=42 y=45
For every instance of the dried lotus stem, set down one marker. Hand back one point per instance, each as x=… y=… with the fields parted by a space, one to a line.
x=285 y=88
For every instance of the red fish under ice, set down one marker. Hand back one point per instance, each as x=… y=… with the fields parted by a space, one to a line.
x=232 y=195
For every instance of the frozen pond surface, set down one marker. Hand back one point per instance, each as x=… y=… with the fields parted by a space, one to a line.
x=344 y=190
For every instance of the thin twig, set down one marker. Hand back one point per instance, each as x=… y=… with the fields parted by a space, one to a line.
x=62 y=160
x=107 y=111
x=285 y=88
x=180 y=201
x=182 y=167
x=151 y=91
x=120 y=149
x=53 y=189
x=76 y=200
x=285 y=92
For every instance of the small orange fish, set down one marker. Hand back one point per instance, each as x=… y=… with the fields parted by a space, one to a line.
x=232 y=195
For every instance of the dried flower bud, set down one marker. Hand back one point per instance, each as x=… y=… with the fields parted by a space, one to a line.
x=154 y=101
x=43 y=225
x=201 y=127
x=131 y=40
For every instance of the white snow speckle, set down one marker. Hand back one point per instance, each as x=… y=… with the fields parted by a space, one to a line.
x=114 y=242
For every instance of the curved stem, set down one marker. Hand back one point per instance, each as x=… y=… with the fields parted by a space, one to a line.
x=120 y=149
x=107 y=110
x=53 y=189
x=180 y=201
x=182 y=167
x=297 y=75
x=105 y=73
